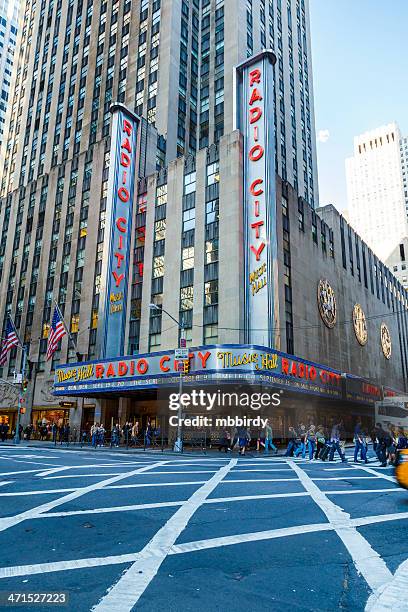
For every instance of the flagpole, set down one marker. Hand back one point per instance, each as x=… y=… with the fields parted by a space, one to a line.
x=21 y=394
x=65 y=326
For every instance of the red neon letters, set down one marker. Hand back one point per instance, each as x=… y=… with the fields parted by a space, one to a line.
x=125 y=162
x=256 y=153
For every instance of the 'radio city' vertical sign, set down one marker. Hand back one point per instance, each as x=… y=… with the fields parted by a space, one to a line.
x=122 y=182
x=255 y=118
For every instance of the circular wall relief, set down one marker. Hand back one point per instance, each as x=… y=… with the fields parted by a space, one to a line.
x=326 y=301
x=360 y=324
x=386 y=343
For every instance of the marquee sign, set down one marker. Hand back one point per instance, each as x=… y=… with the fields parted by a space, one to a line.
x=119 y=212
x=255 y=118
x=221 y=364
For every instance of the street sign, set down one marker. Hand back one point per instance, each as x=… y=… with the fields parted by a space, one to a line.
x=17 y=378
x=180 y=366
x=181 y=353
x=183 y=342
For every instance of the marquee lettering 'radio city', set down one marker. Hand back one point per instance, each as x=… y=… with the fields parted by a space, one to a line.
x=254 y=102
x=116 y=256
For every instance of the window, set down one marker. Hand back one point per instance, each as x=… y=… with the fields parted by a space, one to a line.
x=187 y=258
x=212 y=211
x=213 y=173
x=210 y=334
x=158 y=266
x=190 y=183
x=211 y=293
x=186 y=298
x=188 y=219
x=74 y=323
x=160 y=230
x=211 y=251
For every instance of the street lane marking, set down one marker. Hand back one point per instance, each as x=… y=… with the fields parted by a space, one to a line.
x=124 y=595
x=347 y=478
x=54 y=470
x=212 y=500
x=341 y=492
x=378 y=474
x=57 y=566
x=393 y=596
x=10 y=521
x=367 y=561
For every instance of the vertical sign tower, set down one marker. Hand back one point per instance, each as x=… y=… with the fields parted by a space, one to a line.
x=255 y=118
x=118 y=231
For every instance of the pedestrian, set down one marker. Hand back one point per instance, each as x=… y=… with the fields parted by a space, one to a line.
x=135 y=433
x=292 y=442
x=67 y=432
x=101 y=435
x=225 y=441
x=234 y=439
x=269 y=439
x=335 y=442
x=382 y=439
x=243 y=439
x=320 y=440
x=359 y=442
x=302 y=441
x=94 y=434
x=402 y=441
x=3 y=431
x=311 y=440
x=115 y=436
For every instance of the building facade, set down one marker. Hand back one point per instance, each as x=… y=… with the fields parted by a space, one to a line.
x=397 y=262
x=171 y=63
x=376 y=201
x=9 y=16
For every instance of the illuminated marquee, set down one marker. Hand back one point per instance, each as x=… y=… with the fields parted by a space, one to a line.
x=116 y=256
x=255 y=101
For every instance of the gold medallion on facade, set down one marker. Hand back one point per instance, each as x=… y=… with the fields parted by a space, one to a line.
x=327 y=303
x=360 y=324
x=386 y=344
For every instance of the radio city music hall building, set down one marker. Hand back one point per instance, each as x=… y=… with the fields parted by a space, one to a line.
x=225 y=236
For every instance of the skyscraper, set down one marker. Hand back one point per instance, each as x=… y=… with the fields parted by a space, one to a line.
x=9 y=12
x=376 y=200
x=169 y=61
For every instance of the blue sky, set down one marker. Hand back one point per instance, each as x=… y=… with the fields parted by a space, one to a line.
x=360 y=73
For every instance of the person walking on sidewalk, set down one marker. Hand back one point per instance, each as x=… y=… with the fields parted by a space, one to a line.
x=243 y=439
x=359 y=443
x=311 y=440
x=320 y=440
x=269 y=439
x=292 y=442
x=302 y=435
x=225 y=441
x=335 y=442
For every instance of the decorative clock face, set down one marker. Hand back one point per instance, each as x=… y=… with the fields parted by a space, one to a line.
x=327 y=303
x=360 y=324
x=386 y=343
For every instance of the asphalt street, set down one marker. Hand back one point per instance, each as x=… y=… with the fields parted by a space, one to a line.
x=179 y=533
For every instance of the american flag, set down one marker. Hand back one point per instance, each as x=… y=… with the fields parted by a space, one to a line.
x=57 y=331
x=10 y=339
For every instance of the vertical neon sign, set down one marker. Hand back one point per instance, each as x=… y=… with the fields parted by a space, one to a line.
x=119 y=213
x=255 y=118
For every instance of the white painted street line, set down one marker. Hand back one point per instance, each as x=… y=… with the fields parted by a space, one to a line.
x=19 y=472
x=157 y=484
x=6 y=482
x=393 y=596
x=42 y=492
x=247 y=480
x=50 y=465
x=347 y=478
x=168 y=504
x=341 y=492
x=367 y=561
x=221 y=500
x=125 y=594
x=54 y=470
x=10 y=521
x=26 y=570
x=242 y=538
x=378 y=474
x=378 y=518
x=215 y=500
x=83 y=475
x=262 y=470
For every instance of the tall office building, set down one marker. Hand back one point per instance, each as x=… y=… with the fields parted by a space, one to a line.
x=404 y=167
x=375 y=188
x=9 y=12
